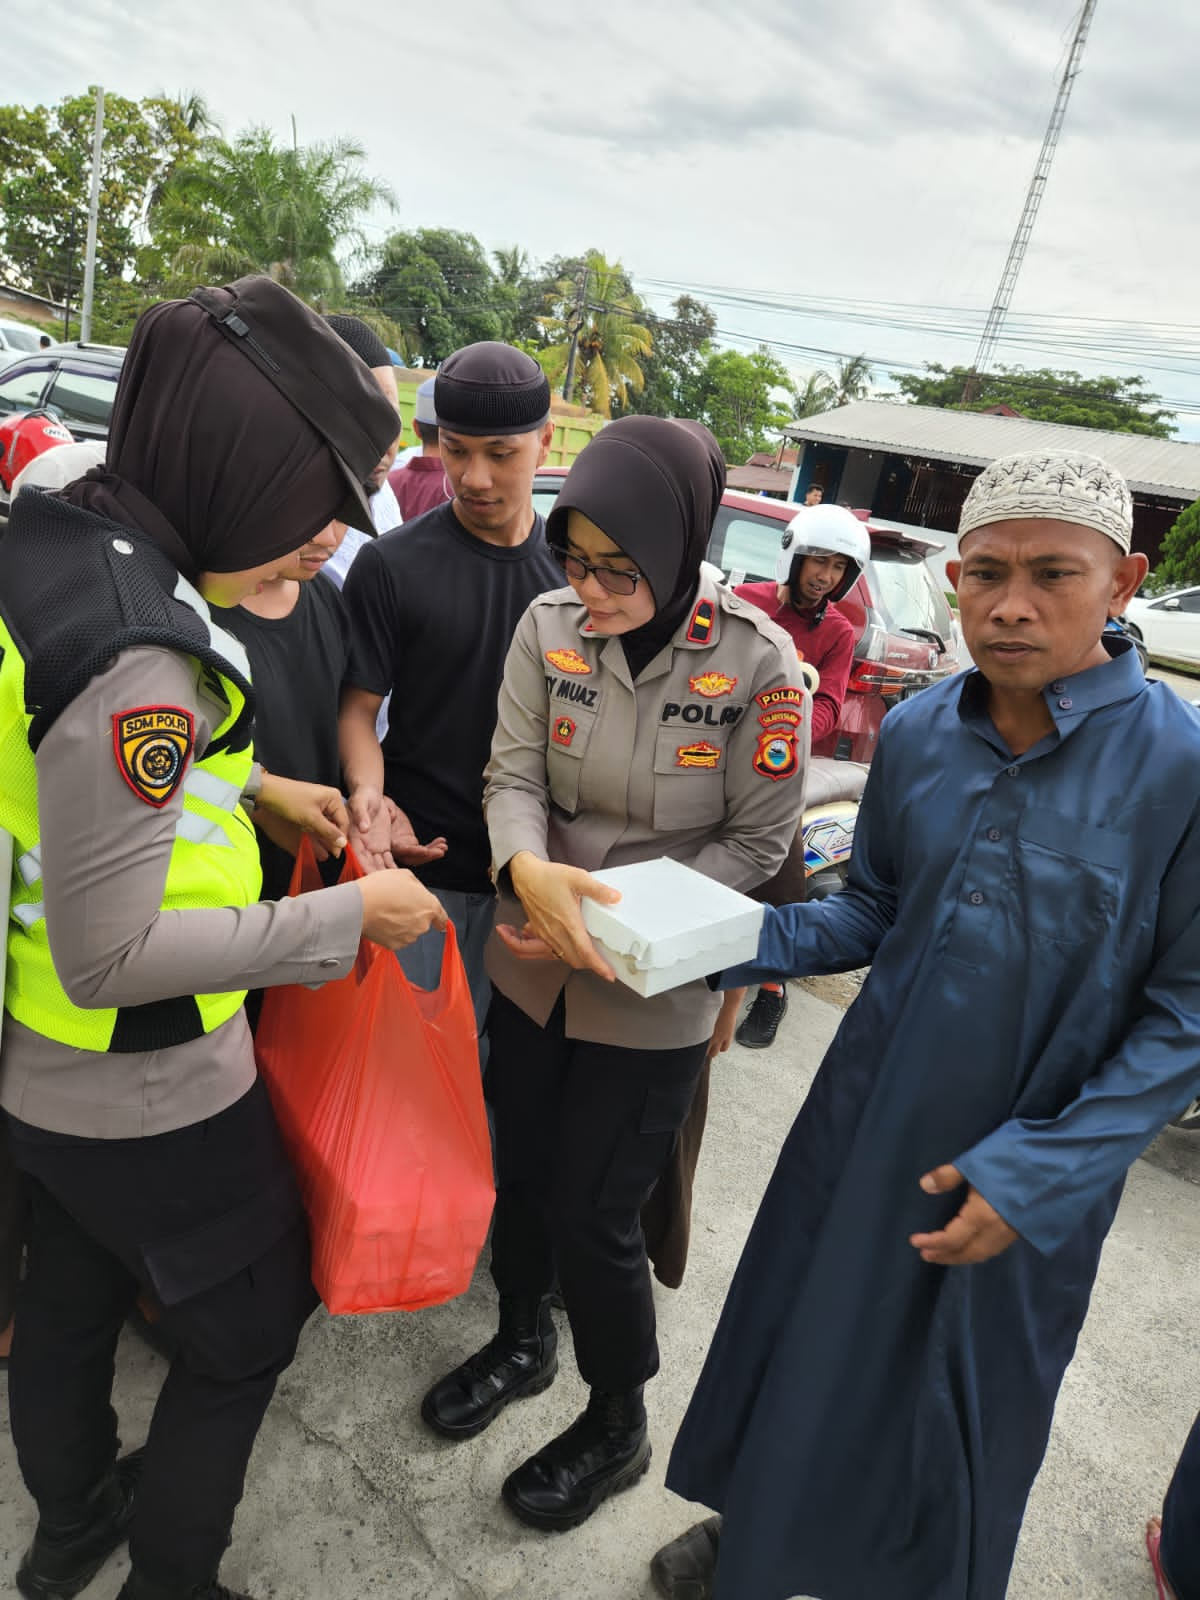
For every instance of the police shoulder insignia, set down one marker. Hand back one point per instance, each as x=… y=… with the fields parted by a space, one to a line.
x=783 y=696
x=567 y=661
x=152 y=745
x=700 y=627
x=776 y=755
x=703 y=755
x=712 y=685
x=563 y=731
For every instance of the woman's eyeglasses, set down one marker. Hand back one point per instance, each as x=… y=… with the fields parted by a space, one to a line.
x=609 y=578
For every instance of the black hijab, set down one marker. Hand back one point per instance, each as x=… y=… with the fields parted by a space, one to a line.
x=207 y=457
x=654 y=486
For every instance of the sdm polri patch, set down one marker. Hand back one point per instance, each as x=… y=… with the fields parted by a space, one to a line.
x=152 y=745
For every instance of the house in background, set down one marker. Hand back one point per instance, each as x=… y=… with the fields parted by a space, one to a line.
x=25 y=307
x=768 y=472
x=913 y=465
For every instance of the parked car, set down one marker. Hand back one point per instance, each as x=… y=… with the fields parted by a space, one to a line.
x=18 y=338
x=76 y=383
x=1168 y=625
x=906 y=633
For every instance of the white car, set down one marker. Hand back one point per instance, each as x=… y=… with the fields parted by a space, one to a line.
x=18 y=339
x=1169 y=626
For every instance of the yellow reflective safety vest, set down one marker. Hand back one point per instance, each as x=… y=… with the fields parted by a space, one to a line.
x=214 y=863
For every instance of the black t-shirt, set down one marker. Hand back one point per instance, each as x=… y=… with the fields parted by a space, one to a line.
x=298 y=664
x=433 y=611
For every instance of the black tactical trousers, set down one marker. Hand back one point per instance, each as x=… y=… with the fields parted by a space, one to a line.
x=207 y=1218
x=583 y=1132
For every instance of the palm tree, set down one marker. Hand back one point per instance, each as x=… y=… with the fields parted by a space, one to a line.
x=250 y=205
x=852 y=379
x=818 y=394
x=610 y=344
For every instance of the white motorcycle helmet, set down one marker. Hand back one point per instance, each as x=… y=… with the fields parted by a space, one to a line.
x=821 y=531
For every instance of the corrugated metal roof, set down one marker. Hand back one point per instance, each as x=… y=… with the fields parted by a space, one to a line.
x=1151 y=466
x=754 y=478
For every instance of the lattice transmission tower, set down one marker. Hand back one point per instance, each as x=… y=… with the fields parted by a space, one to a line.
x=1033 y=201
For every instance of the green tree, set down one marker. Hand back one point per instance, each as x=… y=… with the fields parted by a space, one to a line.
x=438 y=287
x=251 y=205
x=851 y=380
x=595 y=307
x=818 y=394
x=682 y=344
x=45 y=172
x=1124 y=405
x=1179 y=564
x=737 y=400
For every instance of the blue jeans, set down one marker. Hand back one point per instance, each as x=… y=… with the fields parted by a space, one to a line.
x=1180 y=1548
x=473 y=916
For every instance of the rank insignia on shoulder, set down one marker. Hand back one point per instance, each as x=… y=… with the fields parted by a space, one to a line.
x=700 y=627
x=776 y=756
x=712 y=685
x=704 y=755
x=152 y=745
x=563 y=731
x=567 y=661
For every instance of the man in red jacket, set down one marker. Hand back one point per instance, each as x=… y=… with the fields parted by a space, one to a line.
x=824 y=550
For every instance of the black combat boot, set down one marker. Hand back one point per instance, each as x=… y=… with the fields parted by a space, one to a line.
x=137 y=1587
x=62 y=1561
x=686 y=1569
x=521 y=1360
x=607 y=1449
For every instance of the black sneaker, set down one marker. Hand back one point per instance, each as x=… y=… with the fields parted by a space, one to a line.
x=61 y=1562
x=761 y=1023
x=686 y=1569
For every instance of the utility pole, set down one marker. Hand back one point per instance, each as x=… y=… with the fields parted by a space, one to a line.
x=1033 y=200
x=70 y=275
x=576 y=327
x=89 y=260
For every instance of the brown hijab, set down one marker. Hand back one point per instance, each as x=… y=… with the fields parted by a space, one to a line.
x=205 y=455
x=655 y=487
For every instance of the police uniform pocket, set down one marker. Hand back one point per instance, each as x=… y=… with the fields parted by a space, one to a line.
x=569 y=732
x=689 y=781
x=640 y=1156
x=1069 y=876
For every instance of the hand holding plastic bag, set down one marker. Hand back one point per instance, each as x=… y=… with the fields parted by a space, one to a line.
x=377 y=1090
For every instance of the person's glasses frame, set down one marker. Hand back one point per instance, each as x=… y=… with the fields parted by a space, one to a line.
x=609 y=578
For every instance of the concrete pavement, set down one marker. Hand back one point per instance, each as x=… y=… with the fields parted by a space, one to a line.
x=349 y=1496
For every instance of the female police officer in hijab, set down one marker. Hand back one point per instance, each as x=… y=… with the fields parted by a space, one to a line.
x=645 y=711
x=242 y=426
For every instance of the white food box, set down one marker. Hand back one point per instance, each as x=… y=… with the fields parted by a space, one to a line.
x=671 y=925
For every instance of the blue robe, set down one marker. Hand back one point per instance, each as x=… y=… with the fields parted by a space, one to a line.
x=871 y=1425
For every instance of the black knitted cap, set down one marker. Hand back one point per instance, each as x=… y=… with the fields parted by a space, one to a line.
x=364 y=341
x=490 y=388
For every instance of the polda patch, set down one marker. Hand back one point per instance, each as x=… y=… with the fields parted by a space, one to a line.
x=152 y=745
x=563 y=731
x=776 y=756
x=567 y=661
x=770 y=699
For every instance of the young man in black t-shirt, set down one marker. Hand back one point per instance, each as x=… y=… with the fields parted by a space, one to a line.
x=434 y=609
x=297 y=636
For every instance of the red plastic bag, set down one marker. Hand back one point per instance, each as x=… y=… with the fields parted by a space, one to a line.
x=377 y=1091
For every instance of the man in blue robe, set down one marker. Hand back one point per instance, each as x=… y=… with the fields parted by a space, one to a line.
x=1026 y=889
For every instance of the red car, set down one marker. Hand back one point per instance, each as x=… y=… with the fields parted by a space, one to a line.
x=906 y=632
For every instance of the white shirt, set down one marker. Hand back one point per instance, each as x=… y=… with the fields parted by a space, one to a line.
x=385 y=514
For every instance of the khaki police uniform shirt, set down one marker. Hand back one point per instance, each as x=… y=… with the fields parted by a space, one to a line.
x=105 y=854
x=703 y=759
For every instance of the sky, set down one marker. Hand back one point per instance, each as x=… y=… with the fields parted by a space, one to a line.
x=872 y=155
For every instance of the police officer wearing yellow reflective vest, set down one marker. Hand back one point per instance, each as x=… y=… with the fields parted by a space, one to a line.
x=242 y=426
x=645 y=711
